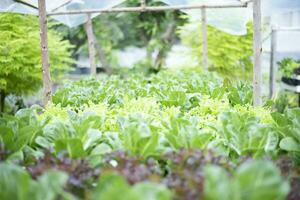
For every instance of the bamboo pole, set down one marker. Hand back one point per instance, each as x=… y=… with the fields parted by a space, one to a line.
x=91 y=43
x=204 y=39
x=257 y=49
x=47 y=89
x=26 y=4
x=272 y=81
x=102 y=57
x=149 y=9
x=143 y=4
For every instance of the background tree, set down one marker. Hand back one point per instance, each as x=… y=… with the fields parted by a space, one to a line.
x=154 y=31
x=20 y=56
x=229 y=55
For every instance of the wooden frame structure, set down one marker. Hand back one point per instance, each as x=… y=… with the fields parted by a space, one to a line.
x=257 y=46
x=144 y=8
x=91 y=45
x=204 y=39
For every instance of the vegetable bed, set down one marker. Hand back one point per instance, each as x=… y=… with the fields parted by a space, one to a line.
x=290 y=71
x=168 y=136
x=292 y=81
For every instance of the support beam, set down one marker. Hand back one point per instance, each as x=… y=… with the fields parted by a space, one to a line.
x=272 y=81
x=47 y=88
x=91 y=43
x=257 y=49
x=26 y=4
x=204 y=39
x=150 y=9
x=287 y=29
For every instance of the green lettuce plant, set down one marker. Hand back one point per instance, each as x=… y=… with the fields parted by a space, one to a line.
x=17 y=184
x=113 y=186
x=288 y=126
x=18 y=133
x=254 y=180
x=241 y=132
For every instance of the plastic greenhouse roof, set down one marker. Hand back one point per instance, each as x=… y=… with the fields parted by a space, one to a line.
x=231 y=20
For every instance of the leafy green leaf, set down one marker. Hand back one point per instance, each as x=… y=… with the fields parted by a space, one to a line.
x=14 y=182
x=253 y=180
x=217 y=184
x=289 y=144
x=260 y=180
x=113 y=186
x=73 y=146
x=49 y=185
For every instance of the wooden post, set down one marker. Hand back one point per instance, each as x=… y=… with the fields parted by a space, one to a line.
x=143 y=4
x=91 y=42
x=44 y=50
x=102 y=57
x=272 y=81
x=151 y=8
x=257 y=49
x=204 y=39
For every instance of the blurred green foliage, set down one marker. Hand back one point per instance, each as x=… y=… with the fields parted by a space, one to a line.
x=228 y=55
x=288 y=66
x=154 y=31
x=20 y=54
x=148 y=117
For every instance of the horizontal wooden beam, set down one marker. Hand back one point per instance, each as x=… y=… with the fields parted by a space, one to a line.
x=149 y=9
x=286 y=29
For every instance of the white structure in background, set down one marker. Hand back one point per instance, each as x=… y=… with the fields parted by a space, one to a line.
x=131 y=56
x=285 y=44
x=288 y=41
x=290 y=19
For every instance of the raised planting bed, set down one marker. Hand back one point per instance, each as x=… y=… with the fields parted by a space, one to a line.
x=292 y=84
x=290 y=70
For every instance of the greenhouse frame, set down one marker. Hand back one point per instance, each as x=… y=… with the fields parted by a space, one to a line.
x=31 y=6
x=150 y=99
